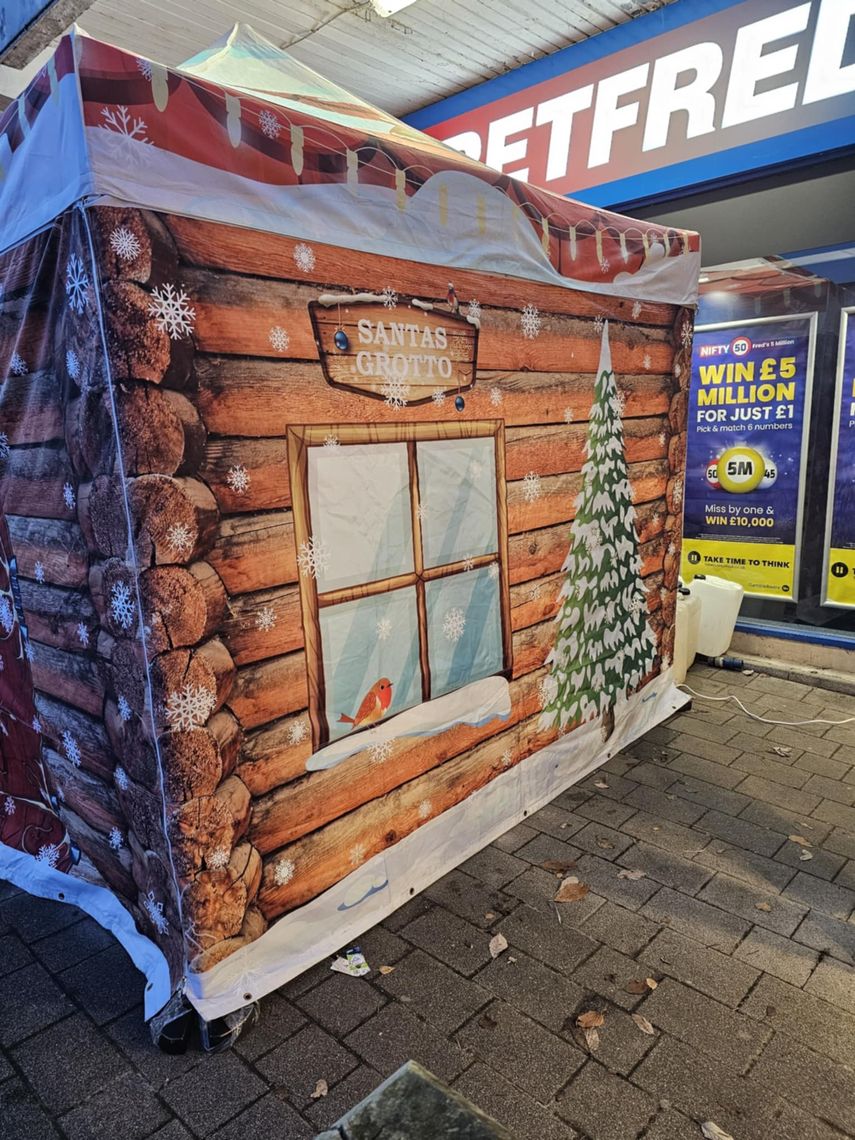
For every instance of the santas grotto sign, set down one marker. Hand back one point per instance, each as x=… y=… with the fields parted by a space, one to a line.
x=748 y=414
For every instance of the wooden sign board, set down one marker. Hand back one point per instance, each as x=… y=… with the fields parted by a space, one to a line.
x=405 y=353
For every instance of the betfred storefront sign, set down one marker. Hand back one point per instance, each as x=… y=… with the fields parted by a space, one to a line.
x=668 y=101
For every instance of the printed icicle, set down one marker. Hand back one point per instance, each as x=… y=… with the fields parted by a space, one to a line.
x=604 y=646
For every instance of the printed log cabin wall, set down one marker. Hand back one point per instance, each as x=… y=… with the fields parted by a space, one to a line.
x=214 y=360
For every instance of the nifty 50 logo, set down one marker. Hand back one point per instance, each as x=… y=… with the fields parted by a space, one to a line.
x=740 y=470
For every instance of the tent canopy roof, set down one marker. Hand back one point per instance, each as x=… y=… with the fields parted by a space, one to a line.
x=244 y=134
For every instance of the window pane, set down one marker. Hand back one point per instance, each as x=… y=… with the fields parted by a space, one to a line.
x=457 y=488
x=361 y=518
x=363 y=643
x=464 y=629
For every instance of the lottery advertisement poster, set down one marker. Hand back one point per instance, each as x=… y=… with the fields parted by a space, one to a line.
x=748 y=415
x=839 y=570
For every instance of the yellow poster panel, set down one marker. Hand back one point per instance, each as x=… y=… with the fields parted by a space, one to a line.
x=840 y=585
x=761 y=568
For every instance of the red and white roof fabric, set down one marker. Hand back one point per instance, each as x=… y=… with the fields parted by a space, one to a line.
x=246 y=135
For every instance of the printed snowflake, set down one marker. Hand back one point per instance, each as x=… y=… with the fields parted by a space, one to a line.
x=313 y=558
x=672 y=548
x=29 y=652
x=534 y=593
x=269 y=124
x=127 y=135
x=453 y=625
x=121 y=778
x=39 y=571
x=297 y=732
x=357 y=854
x=422 y=511
x=171 y=313
x=265 y=619
x=17 y=365
x=494 y=571
x=507 y=758
x=381 y=751
x=438 y=397
x=496 y=397
x=530 y=321
x=82 y=634
x=476 y=469
x=384 y=629
x=390 y=297
x=645 y=361
x=117 y=840
x=331 y=443
x=9 y=806
x=279 y=339
x=686 y=335
x=568 y=415
x=605 y=265
x=125 y=244
x=663 y=438
x=218 y=860
x=238 y=479
x=124 y=708
x=473 y=310
x=599 y=323
x=678 y=492
x=468 y=563
x=425 y=808
x=395 y=392
x=304 y=257
x=49 y=853
x=72 y=364
x=678 y=370
x=154 y=910
x=76 y=284
x=122 y=605
x=283 y=872
x=4 y=447
x=666 y=660
x=71 y=748
x=179 y=538
x=531 y=487
x=144 y=68
x=189 y=707
x=36 y=724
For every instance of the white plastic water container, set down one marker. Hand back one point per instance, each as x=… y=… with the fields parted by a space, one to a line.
x=720 y=601
x=688 y=626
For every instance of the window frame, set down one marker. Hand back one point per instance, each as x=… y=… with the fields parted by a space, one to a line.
x=300 y=439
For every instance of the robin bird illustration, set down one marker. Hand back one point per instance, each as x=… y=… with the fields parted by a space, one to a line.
x=374 y=707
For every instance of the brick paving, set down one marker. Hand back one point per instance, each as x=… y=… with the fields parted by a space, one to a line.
x=752 y=947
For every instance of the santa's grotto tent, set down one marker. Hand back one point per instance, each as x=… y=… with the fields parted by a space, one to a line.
x=340 y=486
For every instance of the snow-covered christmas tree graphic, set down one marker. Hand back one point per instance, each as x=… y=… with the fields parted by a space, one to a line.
x=604 y=646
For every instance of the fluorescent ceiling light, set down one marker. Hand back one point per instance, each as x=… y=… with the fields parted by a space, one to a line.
x=390 y=7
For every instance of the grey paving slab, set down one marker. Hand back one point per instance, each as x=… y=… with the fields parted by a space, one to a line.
x=270 y=1117
x=557 y=821
x=494 y=868
x=72 y=944
x=23 y=1118
x=470 y=898
x=127 y=1107
x=326 y=1111
x=35 y=918
x=706 y=924
x=547 y=937
x=805 y=742
x=605 y=1106
x=523 y=1116
x=710 y=796
x=666 y=805
x=29 y=1001
x=664 y=833
x=717 y=975
x=666 y=868
x=533 y=989
x=786 y=822
x=698 y=768
x=807 y=1018
x=624 y=930
x=341 y=1003
x=671 y=1125
x=842 y=791
x=803 y=1077
x=704 y=747
x=653 y=775
x=766 y=908
x=845 y=877
x=515 y=838
x=790 y=799
x=604 y=879
x=792 y=1123
x=822 y=864
x=740 y=832
x=537 y=888
x=828 y=935
x=299 y=1063
x=756 y=870
x=68 y=1062
x=839 y=902
x=765 y=766
x=132 y=1036
x=209 y=1095
x=602 y=810
x=607 y=972
x=106 y=985
x=279 y=1020
x=13 y=954
x=840 y=842
x=395 y=1035
x=451 y=939
x=598 y=839
x=621 y=1043
x=544 y=848
x=835 y=769
x=838 y=815
x=835 y=982
x=433 y=991
x=777 y=955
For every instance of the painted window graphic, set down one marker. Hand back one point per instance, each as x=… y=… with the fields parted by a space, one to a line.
x=401 y=537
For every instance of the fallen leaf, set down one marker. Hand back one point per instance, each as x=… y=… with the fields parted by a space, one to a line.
x=498 y=943
x=571 y=890
x=592 y=1040
x=762 y=906
x=636 y=986
x=604 y=844
x=558 y=866
x=590 y=1019
x=386 y=969
x=644 y=1025
x=804 y=856
x=651 y=983
x=631 y=874
x=800 y=839
x=782 y=750
x=713 y=1132
x=747 y=672
x=601 y=784
x=489 y=916
x=321 y=1089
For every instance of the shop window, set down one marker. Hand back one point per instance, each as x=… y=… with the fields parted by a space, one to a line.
x=401 y=535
